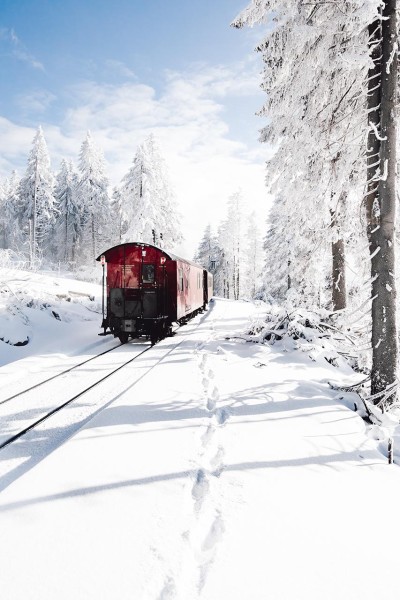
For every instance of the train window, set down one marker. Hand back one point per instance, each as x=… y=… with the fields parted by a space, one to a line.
x=181 y=280
x=131 y=276
x=148 y=273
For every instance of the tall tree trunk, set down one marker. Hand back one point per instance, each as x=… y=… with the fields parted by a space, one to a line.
x=93 y=236
x=339 y=297
x=373 y=154
x=381 y=199
x=238 y=271
x=338 y=275
x=66 y=249
x=33 y=221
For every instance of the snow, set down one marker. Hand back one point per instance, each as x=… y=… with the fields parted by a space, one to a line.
x=212 y=469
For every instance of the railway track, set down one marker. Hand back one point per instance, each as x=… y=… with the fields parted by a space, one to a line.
x=36 y=385
x=33 y=411
x=37 y=420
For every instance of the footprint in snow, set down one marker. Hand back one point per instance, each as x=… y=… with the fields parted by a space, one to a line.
x=208 y=434
x=214 y=535
x=203 y=363
x=222 y=415
x=216 y=462
x=200 y=489
x=169 y=590
x=211 y=404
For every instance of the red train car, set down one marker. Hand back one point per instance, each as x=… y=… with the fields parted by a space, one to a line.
x=147 y=289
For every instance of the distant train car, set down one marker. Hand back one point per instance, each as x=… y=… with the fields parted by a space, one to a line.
x=147 y=289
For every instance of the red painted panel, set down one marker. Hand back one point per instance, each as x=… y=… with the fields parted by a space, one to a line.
x=190 y=298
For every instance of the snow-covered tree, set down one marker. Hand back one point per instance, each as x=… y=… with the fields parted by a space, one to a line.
x=68 y=226
x=92 y=198
x=316 y=63
x=252 y=257
x=331 y=78
x=3 y=220
x=207 y=251
x=10 y=232
x=120 y=223
x=148 y=200
x=36 y=195
x=230 y=235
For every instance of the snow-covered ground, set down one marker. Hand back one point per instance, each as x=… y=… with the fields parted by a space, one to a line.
x=217 y=469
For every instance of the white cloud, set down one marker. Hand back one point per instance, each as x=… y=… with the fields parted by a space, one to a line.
x=119 y=68
x=18 y=49
x=37 y=101
x=188 y=119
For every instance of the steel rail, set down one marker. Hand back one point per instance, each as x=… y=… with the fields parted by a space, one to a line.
x=16 y=436
x=59 y=374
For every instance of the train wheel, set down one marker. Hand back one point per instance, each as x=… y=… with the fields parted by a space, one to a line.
x=123 y=337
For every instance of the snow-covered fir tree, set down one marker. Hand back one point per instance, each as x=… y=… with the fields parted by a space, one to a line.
x=11 y=235
x=208 y=252
x=69 y=220
x=316 y=62
x=252 y=257
x=3 y=220
x=36 y=197
x=148 y=200
x=230 y=240
x=93 y=200
x=330 y=71
x=119 y=217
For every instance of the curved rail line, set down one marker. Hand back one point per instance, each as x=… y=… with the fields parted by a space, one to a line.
x=16 y=436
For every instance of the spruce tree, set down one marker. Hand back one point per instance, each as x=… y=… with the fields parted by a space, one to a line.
x=148 y=201
x=68 y=226
x=36 y=195
x=93 y=200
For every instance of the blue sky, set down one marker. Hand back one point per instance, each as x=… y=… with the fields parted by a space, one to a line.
x=126 y=68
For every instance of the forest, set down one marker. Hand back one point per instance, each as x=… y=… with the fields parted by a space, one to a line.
x=70 y=217
x=330 y=72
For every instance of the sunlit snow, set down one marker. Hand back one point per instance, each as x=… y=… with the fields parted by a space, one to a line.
x=217 y=468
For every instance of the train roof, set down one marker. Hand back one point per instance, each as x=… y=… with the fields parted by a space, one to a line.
x=143 y=244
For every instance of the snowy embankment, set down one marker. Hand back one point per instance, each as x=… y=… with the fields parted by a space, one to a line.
x=231 y=470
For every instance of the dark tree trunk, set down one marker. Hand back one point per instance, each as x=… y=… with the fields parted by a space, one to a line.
x=339 y=296
x=373 y=154
x=381 y=199
x=338 y=275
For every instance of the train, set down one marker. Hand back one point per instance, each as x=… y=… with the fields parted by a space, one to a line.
x=146 y=290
